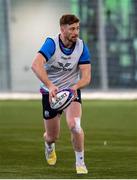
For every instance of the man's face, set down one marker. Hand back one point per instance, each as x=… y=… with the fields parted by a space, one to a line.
x=70 y=32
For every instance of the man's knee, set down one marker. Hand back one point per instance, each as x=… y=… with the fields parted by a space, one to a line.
x=76 y=127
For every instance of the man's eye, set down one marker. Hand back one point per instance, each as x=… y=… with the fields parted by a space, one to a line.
x=72 y=29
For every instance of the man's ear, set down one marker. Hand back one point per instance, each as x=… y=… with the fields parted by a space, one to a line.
x=63 y=28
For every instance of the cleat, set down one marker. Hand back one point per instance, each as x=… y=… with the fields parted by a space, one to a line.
x=51 y=156
x=81 y=169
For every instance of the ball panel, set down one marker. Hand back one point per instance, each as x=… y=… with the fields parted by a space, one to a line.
x=62 y=100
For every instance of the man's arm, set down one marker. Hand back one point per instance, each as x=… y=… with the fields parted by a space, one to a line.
x=38 y=69
x=85 y=76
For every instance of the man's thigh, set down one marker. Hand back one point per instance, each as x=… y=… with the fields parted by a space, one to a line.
x=73 y=113
x=51 y=117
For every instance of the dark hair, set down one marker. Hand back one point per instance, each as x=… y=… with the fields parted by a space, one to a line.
x=68 y=19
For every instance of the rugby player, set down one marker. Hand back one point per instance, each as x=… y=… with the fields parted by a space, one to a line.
x=63 y=62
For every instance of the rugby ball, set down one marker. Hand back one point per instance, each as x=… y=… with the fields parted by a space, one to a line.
x=62 y=100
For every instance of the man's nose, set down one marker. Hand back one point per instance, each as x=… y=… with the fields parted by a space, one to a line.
x=76 y=32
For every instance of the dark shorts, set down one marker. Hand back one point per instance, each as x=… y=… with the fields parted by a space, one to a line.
x=49 y=113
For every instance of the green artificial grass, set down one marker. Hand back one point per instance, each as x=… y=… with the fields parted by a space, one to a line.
x=110 y=141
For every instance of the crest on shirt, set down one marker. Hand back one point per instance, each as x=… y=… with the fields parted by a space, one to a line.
x=65 y=67
x=62 y=66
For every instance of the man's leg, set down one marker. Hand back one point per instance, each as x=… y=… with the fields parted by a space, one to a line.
x=73 y=116
x=52 y=129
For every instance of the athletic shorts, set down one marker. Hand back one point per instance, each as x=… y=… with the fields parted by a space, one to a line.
x=48 y=112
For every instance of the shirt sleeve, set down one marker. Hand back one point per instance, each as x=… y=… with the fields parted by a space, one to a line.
x=85 y=57
x=48 y=48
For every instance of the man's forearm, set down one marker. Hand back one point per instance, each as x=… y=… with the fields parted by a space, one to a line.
x=85 y=77
x=42 y=75
x=81 y=83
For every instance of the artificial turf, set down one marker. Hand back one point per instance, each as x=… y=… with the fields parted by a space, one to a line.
x=110 y=141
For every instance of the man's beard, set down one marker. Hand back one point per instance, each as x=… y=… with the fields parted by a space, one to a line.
x=72 y=39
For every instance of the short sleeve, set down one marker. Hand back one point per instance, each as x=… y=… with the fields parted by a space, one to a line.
x=48 y=48
x=85 y=57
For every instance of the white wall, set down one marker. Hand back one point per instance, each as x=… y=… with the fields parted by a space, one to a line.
x=31 y=22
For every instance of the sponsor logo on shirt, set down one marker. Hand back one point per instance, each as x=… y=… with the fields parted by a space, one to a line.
x=61 y=66
x=65 y=58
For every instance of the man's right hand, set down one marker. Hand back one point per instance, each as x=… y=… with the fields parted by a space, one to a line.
x=52 y=91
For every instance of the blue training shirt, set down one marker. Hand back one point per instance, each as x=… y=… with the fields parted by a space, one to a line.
x=48 y=49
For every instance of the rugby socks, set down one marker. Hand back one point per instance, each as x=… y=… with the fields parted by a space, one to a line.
x=49 y=147
x=79 y=158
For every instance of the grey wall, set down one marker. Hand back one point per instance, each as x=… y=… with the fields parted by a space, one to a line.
x=31 y=21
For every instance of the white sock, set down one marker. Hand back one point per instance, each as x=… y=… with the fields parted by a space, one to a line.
x=49 y=147
x=79 y=157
